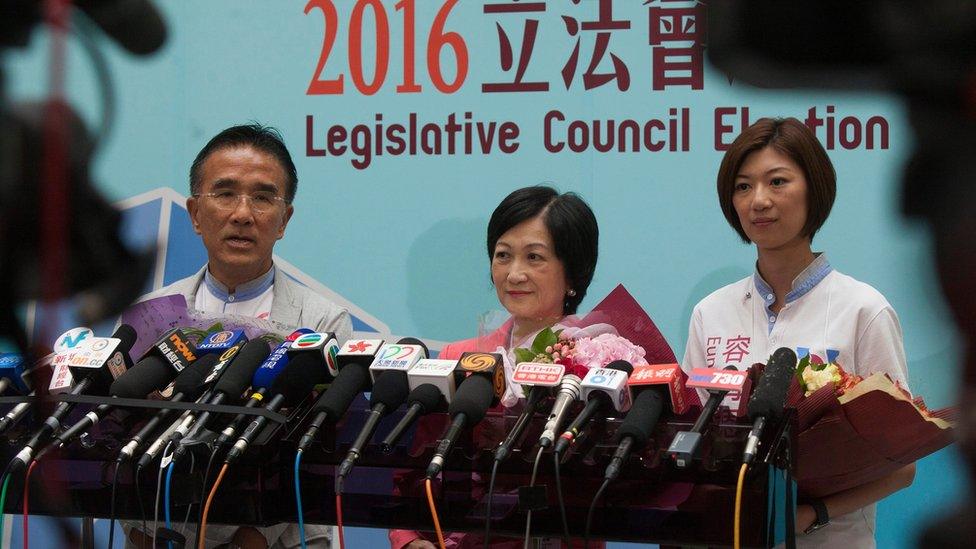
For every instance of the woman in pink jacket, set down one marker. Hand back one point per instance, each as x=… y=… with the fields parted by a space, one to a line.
x=542 y=246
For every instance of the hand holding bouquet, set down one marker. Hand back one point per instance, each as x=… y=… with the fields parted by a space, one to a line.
x=853 y=430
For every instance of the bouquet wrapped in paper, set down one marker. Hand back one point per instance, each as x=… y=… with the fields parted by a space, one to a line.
x=153 y=317
x=851 y=431
x=616 y=329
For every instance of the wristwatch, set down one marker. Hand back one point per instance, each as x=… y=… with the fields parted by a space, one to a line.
x=823 y=519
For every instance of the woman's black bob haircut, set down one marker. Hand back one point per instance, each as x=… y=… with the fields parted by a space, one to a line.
x=571 y=225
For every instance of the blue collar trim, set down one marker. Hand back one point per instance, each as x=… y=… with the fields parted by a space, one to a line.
x=248 y=290
x=802 y=284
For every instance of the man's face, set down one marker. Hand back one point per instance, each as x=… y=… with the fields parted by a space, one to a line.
x=239 y=240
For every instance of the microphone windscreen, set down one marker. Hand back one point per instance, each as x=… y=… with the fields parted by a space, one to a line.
x=237 y=375
x=391 y=389
x=190 y=382
x=621 y=365
x=643 y=416
x=149 y=374
x=128 y=336
x=473 y=398
x=135 y=24
x=352 y=380
x=769 y=396
x=415 y=341
x=427 y=396
x=304 y=371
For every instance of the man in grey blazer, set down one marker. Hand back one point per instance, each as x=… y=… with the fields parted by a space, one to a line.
x=242 y=184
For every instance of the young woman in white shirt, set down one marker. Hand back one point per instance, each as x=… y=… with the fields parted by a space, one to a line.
x=776 y=187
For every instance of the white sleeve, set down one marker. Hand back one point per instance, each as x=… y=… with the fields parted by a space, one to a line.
x=695 y=347
x=881 y=348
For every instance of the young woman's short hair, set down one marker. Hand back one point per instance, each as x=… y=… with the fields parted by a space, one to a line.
x=794 y=139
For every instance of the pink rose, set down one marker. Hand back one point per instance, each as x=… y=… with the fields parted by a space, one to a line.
x=603 y=349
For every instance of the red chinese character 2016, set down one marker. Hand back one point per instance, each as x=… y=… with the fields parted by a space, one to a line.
x=736 y=348
x=677 y=38
x=530 y=30
x=604 y=25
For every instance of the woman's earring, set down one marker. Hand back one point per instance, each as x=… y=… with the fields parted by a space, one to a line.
x=571 y=292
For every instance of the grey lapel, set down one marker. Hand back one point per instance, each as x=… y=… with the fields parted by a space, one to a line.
x=284 y=307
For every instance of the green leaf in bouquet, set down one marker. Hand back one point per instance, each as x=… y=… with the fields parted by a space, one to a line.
x=802 y=365
x=196 y=334
x=524 y=355
x=545 y=338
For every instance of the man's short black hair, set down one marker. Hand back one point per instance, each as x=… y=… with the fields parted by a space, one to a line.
x=261 y=137
x=570 y=223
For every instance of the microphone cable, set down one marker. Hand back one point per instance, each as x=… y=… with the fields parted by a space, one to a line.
x=206 y=477
x=3 y=499
x=159 y=492
x=168 y=482
x=167 y=505
x=298 y=501
x=111 y=506
x=201 y=543
x=433 y=514
x=559 y=497
x=189 y=507
x=30 y=468
x=589 y=514
x=3 y=494
x=491 y=491
x=528 y=517
x=738 y=505
x=142 y=506
x=342 y=539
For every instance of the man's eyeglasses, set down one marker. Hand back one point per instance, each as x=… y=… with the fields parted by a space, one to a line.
x=260 y=201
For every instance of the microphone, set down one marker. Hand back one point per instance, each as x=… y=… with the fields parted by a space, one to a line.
x=13 y=374
x=390 y=390
x=685 y=443
x=262 y=380
x=538 y=377
x=103 y=360
x=302 y=373
x=566 y=395
x=65 y=348
x=601 y=388
x=483 y=387
x=232 y=375
x=220 y=342
x=94 y=380
x=175 y=349
x=636 y=428
x=769 y=397
x=147 y=377
x=432 y=384
x=354 y=360
x=133 y=24
x=421 y=401
x=20 y=410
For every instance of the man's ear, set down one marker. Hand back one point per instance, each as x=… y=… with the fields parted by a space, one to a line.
x=289 y=210
x=193 y=208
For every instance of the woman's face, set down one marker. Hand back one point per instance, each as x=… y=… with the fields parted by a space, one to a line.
x=529 y=279
x=770 y=198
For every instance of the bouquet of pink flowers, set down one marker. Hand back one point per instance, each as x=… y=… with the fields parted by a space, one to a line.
x=556 y=347
x=853 y=430
x=616 y=329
